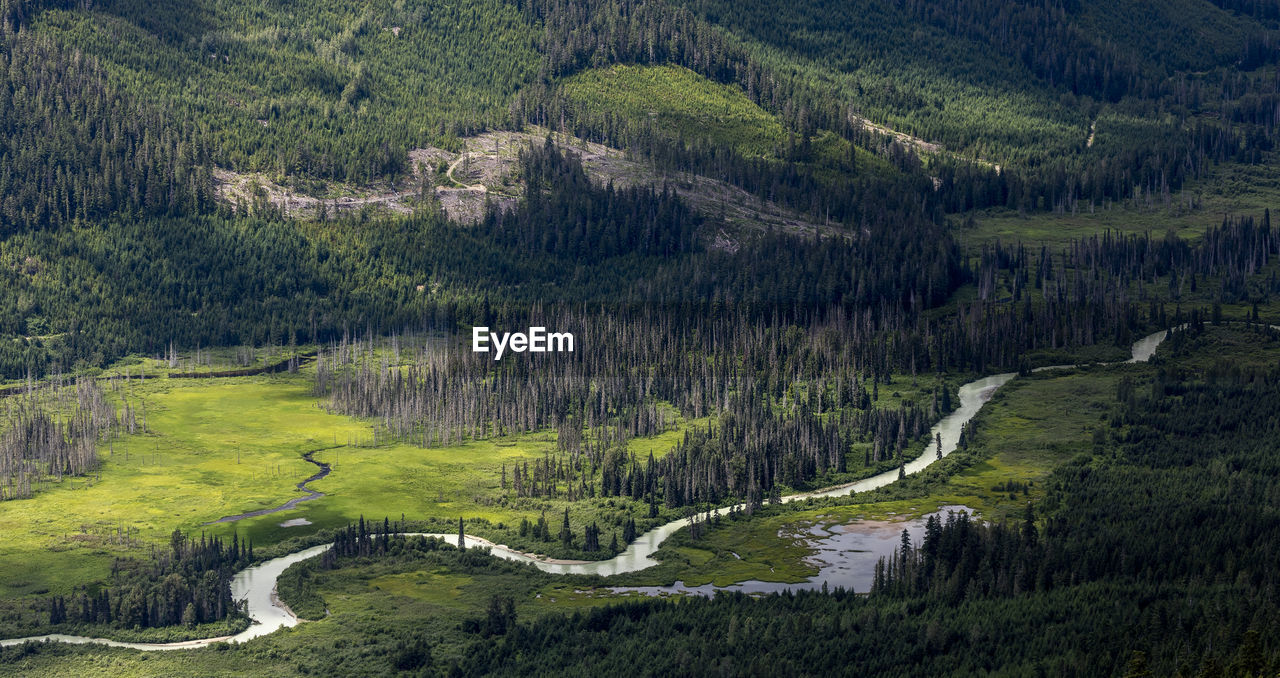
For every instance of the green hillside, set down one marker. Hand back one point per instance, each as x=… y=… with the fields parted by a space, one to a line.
x=330 y=89
x=684 y=104
x=1004 y=81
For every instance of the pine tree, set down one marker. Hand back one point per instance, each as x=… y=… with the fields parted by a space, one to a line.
x=566 y=535
x=1029 y=533
x=1137 y=666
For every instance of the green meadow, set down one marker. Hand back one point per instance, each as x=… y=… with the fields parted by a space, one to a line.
x=1231 y=189
x=213 y=448
x=679 y=104
x=682 y=102
x=221 y=447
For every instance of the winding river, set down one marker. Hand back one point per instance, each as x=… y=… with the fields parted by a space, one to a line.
x=257 y=584
x=310 y=494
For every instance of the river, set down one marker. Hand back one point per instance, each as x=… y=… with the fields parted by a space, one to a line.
x=257 y=584
x=845 y=554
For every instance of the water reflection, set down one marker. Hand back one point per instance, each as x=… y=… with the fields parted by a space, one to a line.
x=845 y=555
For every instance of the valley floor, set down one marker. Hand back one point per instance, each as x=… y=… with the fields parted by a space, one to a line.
x=1031 y=426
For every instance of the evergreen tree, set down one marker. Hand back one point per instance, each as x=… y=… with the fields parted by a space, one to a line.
x=566 y=534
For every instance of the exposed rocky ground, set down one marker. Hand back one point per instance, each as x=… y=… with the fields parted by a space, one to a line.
x=487 y=172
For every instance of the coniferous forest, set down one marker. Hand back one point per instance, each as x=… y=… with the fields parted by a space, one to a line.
x=996 y=279
x=1101 y=581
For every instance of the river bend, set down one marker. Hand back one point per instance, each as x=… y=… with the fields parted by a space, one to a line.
x=257 y=584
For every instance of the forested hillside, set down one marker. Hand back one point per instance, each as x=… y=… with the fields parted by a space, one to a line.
x=119 y=112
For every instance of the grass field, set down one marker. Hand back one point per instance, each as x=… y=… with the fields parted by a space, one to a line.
x=203 y=458
x=1232 y=189
x=221 y=447
x=682 y=103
